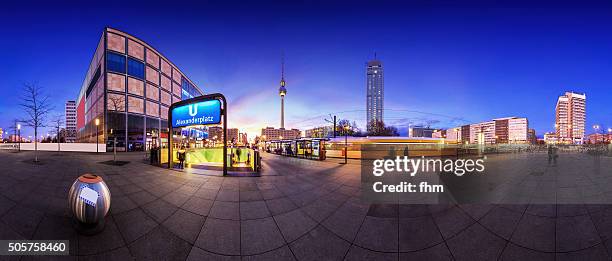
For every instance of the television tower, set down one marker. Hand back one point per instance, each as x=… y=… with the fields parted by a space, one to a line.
x=282 y=91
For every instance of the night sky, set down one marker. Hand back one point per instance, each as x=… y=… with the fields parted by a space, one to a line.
x=444 y=64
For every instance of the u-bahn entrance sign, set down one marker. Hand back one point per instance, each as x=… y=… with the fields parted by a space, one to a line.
x=202 y=110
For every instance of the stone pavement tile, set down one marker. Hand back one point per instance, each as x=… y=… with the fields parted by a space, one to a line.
x=185 y=225
x=436 y=253
x=383 y=210
x=418 y=233
x=23 y=220
x=536 y=233
x=206 y=193
x=250 y=195
x=320 y=209
x=5 y=205
x=159 y=210
x=476 y=243
x=379 y=234
x=354 y=205
x=597 y=252
x=248 y=185
x=159 y=191
x=160 y=244
x=187 y=189
x=358 y=253
x=177 y=199
x=7 y=232
x=259 y=235
x=302 y=199
x=108 y=239
x=294 y=224
x=345 y=224
x=280 y=205
x=121 y=204
x=519 y=208
x=271 y=193
x=228 y=195
x=603 y=222
x=142 y=197
x=198 y=254
x=501 y=221
x=130 y=189
x=225 y=210
x=544 y=210
x=476 y=211
x=412 y=210
x=281 y=254
x=37 y=202
x=253 y=210
x=199 y=206
x=319 y=244
x=513 y=252
x=571 y=210
x=116 y=254
x=54 y=228
x=134 y=224
x=220 y=236
x=451 y=221
x=574 y=233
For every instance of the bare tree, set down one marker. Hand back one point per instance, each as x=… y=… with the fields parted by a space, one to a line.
x=116 y=103
x=57 y=123
x=36 y=105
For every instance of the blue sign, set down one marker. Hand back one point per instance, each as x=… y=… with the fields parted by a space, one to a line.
x=200 y=113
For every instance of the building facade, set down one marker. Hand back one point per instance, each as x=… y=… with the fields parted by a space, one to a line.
x=129 y=88
x=570 y=118
x=70 y=120
x=420 y=132
x=270 y=133
x=319 y=132
x=375 y=89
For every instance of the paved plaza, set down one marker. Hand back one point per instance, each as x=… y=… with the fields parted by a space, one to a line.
x=296 y=210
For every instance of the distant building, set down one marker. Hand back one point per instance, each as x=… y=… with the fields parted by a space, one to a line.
x=1 y=134
x=243 y=138
x=599 y=138
x=570 y=118
x=420 y=132
x=232 y=135
x=482 y=133
x=319 y=132
x=440 y=134
x=531 y=136
x=270 y=133
x=465 y=134
x=550 y=138
x=375 y=90
x=454 y=134
x=70 y=121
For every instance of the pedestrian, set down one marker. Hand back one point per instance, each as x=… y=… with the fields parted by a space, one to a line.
x=181 y=157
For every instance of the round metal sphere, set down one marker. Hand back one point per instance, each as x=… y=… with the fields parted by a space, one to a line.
x=89 y=199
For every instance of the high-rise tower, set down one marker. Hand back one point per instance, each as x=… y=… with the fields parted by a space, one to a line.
x=570 y=118
x=282 y=91
x=375 y=90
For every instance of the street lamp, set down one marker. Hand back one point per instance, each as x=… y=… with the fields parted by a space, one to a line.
x=346 y=128
x=97 y=132
x=19 y=136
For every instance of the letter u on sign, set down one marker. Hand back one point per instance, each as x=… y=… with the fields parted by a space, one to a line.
x=193 y=110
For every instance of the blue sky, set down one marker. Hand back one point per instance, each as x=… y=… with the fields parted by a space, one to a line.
x=450 y=64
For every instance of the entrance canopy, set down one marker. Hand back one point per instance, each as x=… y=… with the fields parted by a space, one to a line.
x=202 y=110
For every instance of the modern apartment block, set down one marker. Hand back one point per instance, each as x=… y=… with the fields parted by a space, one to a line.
x=129 y=88
x=70 y=115
x=271 y=133
x=570 y=118
x=496 y=131
x=375 y=89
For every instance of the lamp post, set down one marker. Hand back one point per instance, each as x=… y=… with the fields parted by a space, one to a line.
x=97 y=132
x=19 y=137
x=346 y=128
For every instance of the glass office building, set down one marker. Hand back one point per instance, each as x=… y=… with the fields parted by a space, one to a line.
x=129 y=87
